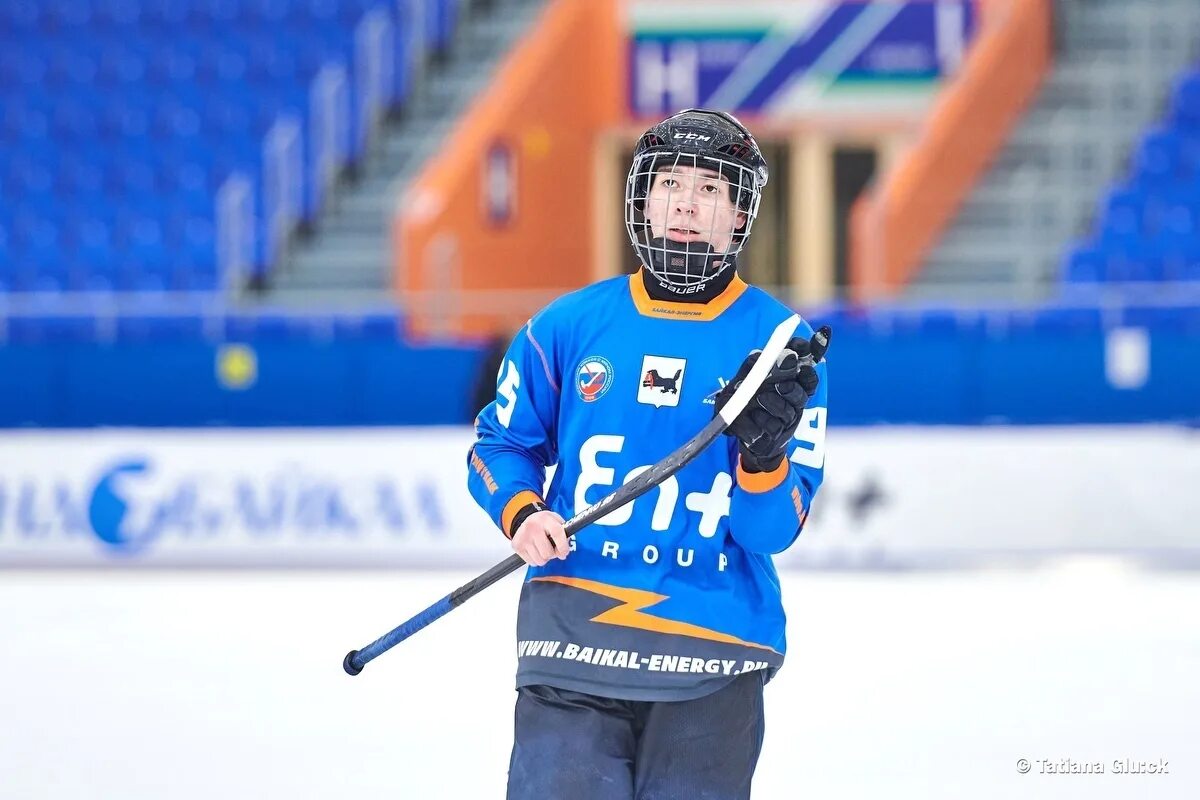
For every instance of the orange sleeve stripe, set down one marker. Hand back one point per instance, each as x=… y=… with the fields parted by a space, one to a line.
x=484 y=473
x=518 y=501
x=798 y=502
x=759 y=482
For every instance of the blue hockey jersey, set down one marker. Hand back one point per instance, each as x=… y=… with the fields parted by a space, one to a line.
x=671 y=596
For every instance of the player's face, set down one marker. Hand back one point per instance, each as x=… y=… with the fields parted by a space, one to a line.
x=690 y=204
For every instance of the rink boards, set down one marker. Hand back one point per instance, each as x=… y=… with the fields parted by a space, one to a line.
x=894 y=497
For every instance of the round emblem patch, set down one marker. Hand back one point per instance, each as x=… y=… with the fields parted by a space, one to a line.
x=593 y=378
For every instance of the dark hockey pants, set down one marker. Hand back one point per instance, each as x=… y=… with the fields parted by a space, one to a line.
x=574 y=746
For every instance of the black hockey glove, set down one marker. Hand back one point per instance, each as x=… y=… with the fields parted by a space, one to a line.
x=770 y=419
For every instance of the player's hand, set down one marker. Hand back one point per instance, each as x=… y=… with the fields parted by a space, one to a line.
x=769 y=420
x=540 y=538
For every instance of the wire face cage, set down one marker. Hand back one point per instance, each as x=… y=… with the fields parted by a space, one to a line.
x=688 y=215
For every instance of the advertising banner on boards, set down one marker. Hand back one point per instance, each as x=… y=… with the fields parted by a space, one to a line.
x=892 y=497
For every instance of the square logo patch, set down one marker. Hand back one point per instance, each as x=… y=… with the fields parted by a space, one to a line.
x=662 y=380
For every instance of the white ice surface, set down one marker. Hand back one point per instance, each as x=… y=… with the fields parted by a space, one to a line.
x=208 y=685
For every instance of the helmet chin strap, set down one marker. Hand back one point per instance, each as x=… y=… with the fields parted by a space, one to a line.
x=664 y=257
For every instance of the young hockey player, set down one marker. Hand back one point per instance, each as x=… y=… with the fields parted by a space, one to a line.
x=644 y=643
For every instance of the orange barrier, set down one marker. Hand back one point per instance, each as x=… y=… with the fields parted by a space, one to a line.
x=508 y=205
x=893 y=226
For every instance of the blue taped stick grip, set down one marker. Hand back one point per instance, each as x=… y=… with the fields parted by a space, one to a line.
x=356 y=660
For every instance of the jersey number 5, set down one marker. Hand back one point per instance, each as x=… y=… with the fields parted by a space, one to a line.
x=507 y=391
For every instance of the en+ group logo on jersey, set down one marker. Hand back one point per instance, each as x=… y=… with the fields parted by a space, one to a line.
x=594 y=377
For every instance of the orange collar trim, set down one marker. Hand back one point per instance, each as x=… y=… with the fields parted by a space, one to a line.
x=647 y=306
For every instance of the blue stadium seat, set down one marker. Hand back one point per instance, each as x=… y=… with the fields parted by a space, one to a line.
x=1159 y=157
x=1166 y=208
x=37 y=265
x=93 y=255
x=172 y=64
x=176 y=119
x=64 y=15
x=24 y=118
x=218 y=14
x=68 y=66
x=1180 y=256
x=165 y=15
x=123 y=64
x=117 y=16
x=124 y=118
x=223 y=63
x=1123 y=213
x=267 y=13
x=351 y=12
x=21 y=17
x=320 y=13
x=195 y=272
x=1177 y=215
x=274 y=62
x=1133 y=261
x=74 y=118
x=1084 y=264
x=192 y=239
x=31 y=178
x=1185 y=101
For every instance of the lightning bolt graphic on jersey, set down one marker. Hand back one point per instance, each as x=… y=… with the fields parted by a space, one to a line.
x=629 y=613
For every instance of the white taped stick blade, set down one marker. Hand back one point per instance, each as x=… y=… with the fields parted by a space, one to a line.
x=758 y=373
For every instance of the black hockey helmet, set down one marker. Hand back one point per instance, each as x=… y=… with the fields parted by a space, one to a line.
x=702 y=139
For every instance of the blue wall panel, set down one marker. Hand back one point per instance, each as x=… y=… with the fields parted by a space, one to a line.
x=175 y=384
x=931 y=370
